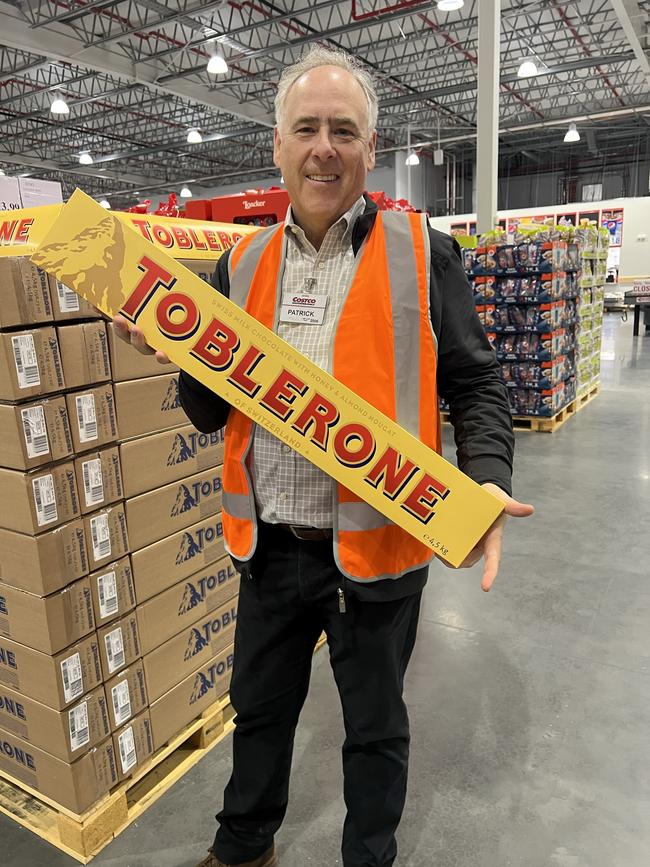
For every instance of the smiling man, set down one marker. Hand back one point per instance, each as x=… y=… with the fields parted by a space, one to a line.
x=396 y=323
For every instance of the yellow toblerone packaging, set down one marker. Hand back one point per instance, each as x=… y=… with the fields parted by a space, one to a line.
x=116 y=269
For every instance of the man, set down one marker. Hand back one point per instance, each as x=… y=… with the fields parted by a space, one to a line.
x=311 y=556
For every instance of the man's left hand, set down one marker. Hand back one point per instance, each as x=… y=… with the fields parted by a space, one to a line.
x=490 y=545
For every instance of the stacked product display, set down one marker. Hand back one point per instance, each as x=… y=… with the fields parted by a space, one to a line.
x=593 y=244
x=117 y=601
x=530 y=293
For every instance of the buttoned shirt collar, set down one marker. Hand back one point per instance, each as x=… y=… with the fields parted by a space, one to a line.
x=346 y=220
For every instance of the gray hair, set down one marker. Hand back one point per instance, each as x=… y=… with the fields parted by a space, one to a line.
x=318 y=56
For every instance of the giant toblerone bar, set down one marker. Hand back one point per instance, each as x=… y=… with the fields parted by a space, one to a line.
x=264 y=377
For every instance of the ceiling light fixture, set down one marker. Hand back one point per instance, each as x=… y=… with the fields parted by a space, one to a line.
x=186 y=193
x=2 y=173
x=217 y=64
x=105 y=204
x=85 y=158
x=450 y=5
x=572 y=134
x=412 y=159
x=194 y=136
x=527 y=68
x=59 y=105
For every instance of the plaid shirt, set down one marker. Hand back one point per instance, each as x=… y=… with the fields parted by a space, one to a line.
x=288 y=488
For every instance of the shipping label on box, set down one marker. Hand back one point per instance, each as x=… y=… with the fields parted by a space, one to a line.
x=68 y=305
x=99 y=478
x=113 y=591
x=166 y=614
x=159 y=513
x=106 y=535
x=167 y=456
x=133 y=745
x=36 y=500
x=119 y=644
x=30 y=364
x=47 y=623
x=56 y=681
x=76 y=785
x=84 y=353
x=65 y=734
x=148 y=405
x=128 y=363
x=247 y=364
x=170 y=663
x=126 y=694
x=92 y=417
x=191 y=697
x=25 y=294
x=45 y=563
x=159 y=566
x=35 y=433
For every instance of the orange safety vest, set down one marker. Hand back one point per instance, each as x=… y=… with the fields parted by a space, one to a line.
x=393 y=368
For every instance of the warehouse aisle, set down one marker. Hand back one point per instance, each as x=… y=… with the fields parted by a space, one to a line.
x=529 y=705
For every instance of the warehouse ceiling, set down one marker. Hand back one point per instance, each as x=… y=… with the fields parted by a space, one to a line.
x=134 y=75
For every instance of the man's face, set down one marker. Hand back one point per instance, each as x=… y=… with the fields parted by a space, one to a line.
x=323 y=147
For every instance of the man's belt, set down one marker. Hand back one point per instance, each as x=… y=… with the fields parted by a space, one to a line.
x=307 y=534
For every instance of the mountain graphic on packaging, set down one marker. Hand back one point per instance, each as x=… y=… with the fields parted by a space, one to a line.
x=195 y=645
x=172 y=398
x=188 y=548
x=180 y=451
x=184 y=502
x=201 y=686
x=191 y=598
x=80 y=264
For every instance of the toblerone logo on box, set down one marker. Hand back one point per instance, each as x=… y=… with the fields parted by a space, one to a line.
x=186 y=445
x=267 y=379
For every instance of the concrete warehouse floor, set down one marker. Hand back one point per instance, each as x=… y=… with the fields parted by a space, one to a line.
x=529 y=706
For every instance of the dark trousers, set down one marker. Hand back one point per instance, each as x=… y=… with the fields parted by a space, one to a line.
x=289 y=594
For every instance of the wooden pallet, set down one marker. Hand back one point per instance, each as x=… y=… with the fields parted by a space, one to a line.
x=82 y=836
x=539 y=424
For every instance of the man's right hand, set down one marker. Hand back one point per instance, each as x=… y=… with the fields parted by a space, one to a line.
x=135 y=337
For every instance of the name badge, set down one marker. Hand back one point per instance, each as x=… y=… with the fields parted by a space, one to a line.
x=308 y=309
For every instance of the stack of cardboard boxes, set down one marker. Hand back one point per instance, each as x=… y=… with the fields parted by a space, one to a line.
x=117 y=602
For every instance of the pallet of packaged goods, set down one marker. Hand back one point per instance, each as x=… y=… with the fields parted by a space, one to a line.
x=543 y=315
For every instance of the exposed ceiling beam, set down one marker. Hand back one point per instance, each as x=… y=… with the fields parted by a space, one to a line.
x=57 y=45
x=50 y=166
x=633 y=21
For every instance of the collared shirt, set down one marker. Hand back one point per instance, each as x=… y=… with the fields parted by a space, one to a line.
x=288 y=488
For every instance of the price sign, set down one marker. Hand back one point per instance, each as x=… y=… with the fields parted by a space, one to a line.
x=9 y=194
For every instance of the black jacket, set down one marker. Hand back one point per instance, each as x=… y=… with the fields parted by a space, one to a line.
x=468 y=371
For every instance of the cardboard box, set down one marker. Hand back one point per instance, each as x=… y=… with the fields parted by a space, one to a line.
x=126 y=694
x=47 y=623
x=112 y=590
x=45 y=563
x=128 y=363
x=66 y=304
x=84 y=353
x=159 y=513
x=148 y=405
x=25 y=293
x=190 y=697
x=99 y=478
x=106 y=535
x=56 y=681
x=170 y=663
x=133 y=745
x=65 y=734
x=36 y=500
x=167 y=456
x=171 y=611
x=159 y=566
x=92 y=417
x=119 y=644
x=30 y=364
x=76 y=785
x=34 y=434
